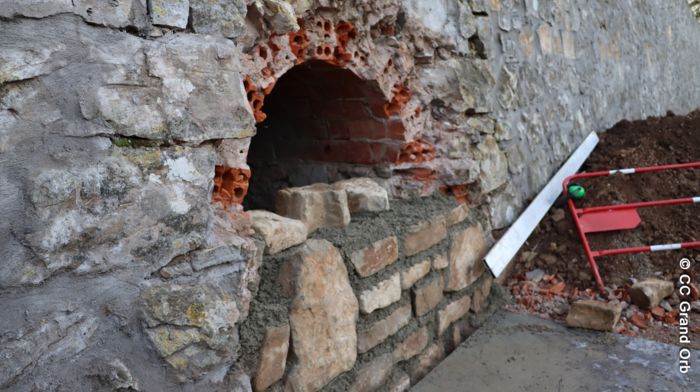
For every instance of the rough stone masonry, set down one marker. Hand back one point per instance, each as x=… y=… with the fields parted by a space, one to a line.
x=389 y=137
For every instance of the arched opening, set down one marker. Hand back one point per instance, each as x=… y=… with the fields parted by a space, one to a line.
x=323 y=123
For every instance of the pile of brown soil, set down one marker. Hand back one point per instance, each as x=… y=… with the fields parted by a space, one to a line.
x=555 y=248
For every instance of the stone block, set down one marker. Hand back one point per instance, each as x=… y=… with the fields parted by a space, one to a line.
x=440 y=262
x=400 y=382
x=376 y=257
x=317 y=205
x=322 y=315
x=364 y=194
x=382 y=295
x=278 y=232
x=457 y=215
x=412 y=345
x=461 y=330
x=452 y=312
x=592 y=314
x=648 y=293
x=373 y=374
x=544 y=33
x=426 y=362
x=568 y=39
x=424 y=235
x=382 y=329
x=172 y=13
x=273 y=357
x=414 y=273
x=427 y=296
x=214 y=17
x=466 y=250
x=481 y=294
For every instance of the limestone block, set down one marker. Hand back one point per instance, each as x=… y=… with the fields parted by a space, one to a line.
x=474 y=78
x=382 y=329
x=322 y=315
x=280 y=15
x=233 y=152
x=568 y=39
x=457 y=215
x=426 y=361
x=592 y=314
x=203 y=96
x=376 y=257
x=453 y=312
x=278 y=232
x=648 y=293
x=225 y=17
x=173 y=13
x=317 y=205
x=412 y=345
x=120 y=13
x=381 y=295
x=273 y=357
x=364 y=195
x=205 y=258
x=544 y=33
x=440 y=262
x=494 y=165
x=424 y=235
x=192 y=327
x=414 y=273
x=453 y=21
x=427 y=296
x=466 y=250
x=373 y=374
x=481 y=294
x=400 y=382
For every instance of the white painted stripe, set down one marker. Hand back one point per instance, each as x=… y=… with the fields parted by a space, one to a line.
x=657 y=248
x=502 y=253
x=696 y=199
x=622 y=171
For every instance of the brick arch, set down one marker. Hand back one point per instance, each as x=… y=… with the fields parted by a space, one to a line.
x=364 y=114
x=322 y=123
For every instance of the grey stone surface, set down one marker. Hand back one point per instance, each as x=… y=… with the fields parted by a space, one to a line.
x=112 y=119
x=524 y=353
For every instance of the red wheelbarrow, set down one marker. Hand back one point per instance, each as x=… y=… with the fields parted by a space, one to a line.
x=621 y=217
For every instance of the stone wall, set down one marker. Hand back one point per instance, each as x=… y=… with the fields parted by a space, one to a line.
x=371 y=303
x=129 y=261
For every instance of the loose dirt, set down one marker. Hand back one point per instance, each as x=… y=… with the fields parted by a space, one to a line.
x=554 y=256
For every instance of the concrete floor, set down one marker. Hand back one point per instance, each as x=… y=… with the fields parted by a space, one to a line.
x=514 y=352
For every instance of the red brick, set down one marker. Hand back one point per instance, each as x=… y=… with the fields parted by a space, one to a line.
x=363 y=128
x=345 y=108
x=376 y=257
x=395 y=130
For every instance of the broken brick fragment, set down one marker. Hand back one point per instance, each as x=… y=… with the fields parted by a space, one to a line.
x=401 y=96
x=230 y=185
x=417 y=151
x=298 y=43
x=459 y=192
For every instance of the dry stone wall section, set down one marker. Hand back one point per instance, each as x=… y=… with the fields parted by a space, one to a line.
x=128 y=260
